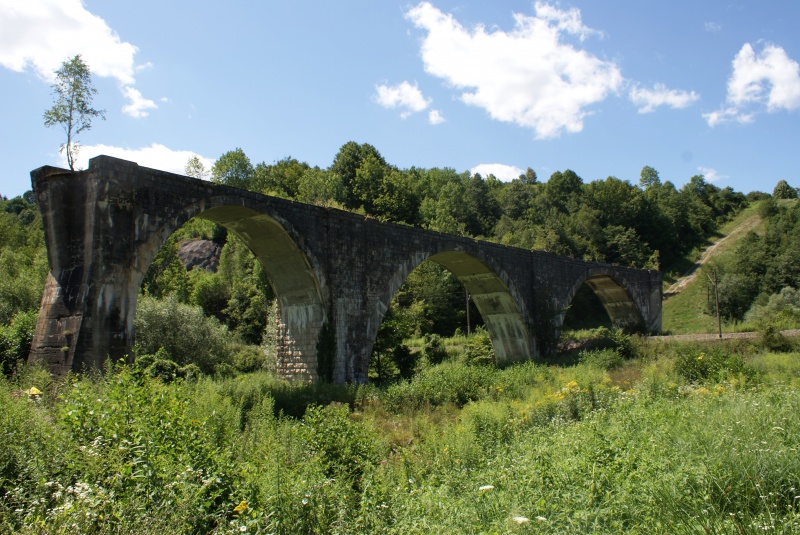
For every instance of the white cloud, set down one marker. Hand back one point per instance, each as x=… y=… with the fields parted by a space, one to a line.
x=528 y=76
x=501 y=171
x=712 y=27
x=405 y=96
x=41 y=34
x=710 y=174
x=770 y=79
x=138 y=104
x=156 y=156
x=649 y=99
x=435 y=117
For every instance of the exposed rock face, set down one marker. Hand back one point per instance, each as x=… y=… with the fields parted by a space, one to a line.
x=203 y=254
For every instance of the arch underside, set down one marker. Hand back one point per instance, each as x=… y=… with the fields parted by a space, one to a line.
x=619 y=305
x=510 y=335
x=301 y=312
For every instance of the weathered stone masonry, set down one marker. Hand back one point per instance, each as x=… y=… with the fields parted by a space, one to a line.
x=104 y=226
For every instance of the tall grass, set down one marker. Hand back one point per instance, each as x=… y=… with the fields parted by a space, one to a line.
x=651 y=446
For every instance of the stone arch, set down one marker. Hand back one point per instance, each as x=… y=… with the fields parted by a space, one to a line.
x=293 y=272
x=615 y=293
x=493 y=293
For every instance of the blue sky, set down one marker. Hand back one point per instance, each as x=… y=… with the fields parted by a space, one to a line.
x=602 y=88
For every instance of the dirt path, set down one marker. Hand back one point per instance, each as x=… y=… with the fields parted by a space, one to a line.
x=793 y=333
x=692 y=273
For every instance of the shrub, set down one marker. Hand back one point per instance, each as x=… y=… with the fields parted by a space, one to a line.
x=605 y=359
x=182 y=331
x=448 y=382
x=15 y=340
x=697 y=365
x=346 y=447
x=478 y=350
x=434 y=350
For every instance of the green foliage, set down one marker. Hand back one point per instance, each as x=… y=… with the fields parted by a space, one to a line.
x=434 y=350
x=532 y=449
x=233 y=168
x=249 y=288
x=781 y=310
x=346 y=448
x=15 y=341
x=23 y=258
x=478 y=350
x=72 y=104
x=606 y=359
x=698 y=365
x=183 y=331
x=446 y=383
x=784 y=191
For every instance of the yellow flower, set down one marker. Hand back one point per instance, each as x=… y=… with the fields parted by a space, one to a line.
x=34 y=391
x=241 y=508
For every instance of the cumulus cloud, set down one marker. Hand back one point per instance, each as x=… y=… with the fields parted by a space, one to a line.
x=711 y=174
x=660 y=95
x=530 y=76
x=405 y=96
x=156 y=156
x=138 y=105
x=41 y=34
x=769 y=80
x=501 y=171
x=435 y=117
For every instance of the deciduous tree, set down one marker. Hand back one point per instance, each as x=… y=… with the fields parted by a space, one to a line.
x=73 y=94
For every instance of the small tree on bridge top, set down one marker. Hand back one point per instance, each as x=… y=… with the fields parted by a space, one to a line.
x=72 y=106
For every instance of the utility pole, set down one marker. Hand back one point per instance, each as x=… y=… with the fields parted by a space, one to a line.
x=468 y=325
x=716 y=299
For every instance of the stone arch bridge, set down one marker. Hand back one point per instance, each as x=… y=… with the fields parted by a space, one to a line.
x=334 y=272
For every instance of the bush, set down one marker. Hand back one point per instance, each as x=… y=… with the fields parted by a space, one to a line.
x=15 y=340
x=434 y=350
x=448 y=382
x=346 y=447
x=182 y=331
x=781 y=310
x=605 y=359
x=697 y=365
x=478 y=350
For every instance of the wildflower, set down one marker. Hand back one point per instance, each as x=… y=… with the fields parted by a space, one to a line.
x=521 y=519
x=541 y=519
x=241 y=508
x=242 y=528
x=486 y=487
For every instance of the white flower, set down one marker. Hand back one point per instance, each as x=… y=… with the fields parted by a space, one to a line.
x=521 y=519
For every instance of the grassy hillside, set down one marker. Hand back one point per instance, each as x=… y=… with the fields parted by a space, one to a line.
x=686 y=298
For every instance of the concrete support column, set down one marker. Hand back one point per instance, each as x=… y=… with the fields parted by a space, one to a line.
x=90 y=296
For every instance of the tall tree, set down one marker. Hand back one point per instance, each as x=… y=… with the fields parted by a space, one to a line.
x=195 y=168
x=72 y=107
x=234 y=169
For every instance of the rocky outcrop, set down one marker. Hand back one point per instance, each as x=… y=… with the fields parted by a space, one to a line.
x=203 y=254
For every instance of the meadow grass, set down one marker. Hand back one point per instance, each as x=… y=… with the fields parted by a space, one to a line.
x=686 y=438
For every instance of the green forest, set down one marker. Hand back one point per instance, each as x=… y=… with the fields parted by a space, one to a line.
x=617 y=433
